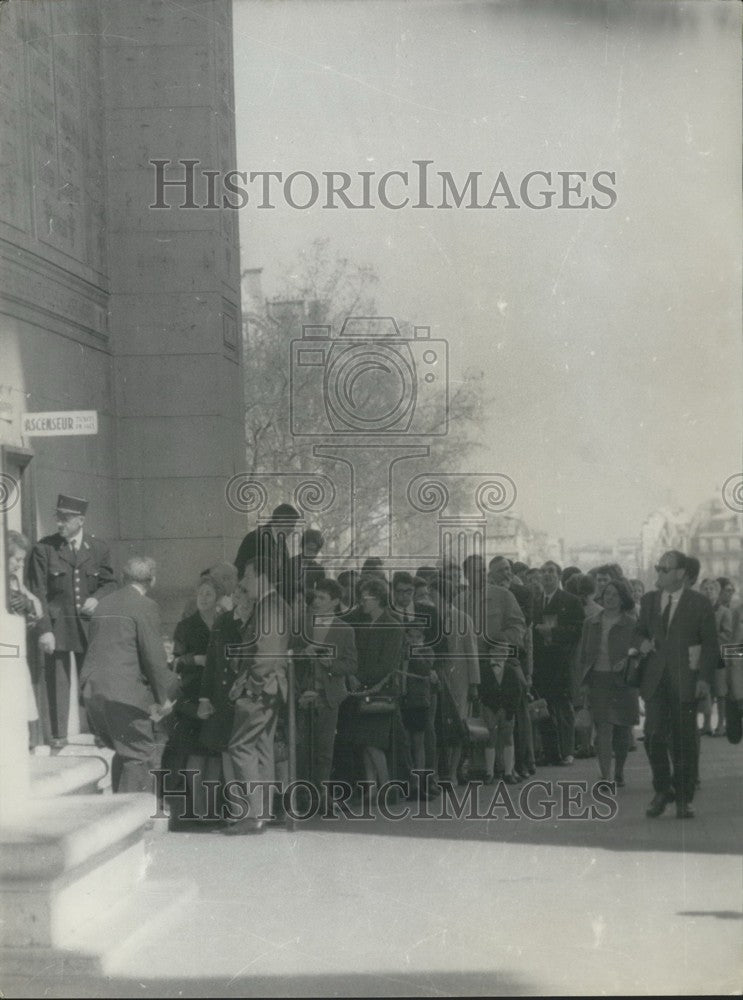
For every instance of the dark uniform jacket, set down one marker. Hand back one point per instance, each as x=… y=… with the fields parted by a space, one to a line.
x=125 y=662
x=63 y=582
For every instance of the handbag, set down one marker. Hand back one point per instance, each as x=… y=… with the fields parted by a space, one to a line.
x=375 y=703
x=538 y=710
x=634 y=670
x=477 y=731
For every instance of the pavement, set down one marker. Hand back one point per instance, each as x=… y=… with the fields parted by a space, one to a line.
x=436 y=907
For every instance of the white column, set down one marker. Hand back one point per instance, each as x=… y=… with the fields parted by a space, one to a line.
x=14 y=755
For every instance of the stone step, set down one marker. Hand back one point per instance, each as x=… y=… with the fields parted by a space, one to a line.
x=103 y=944
x=68 y=774
x=78 y=750
x=81 y=739
x=46 y=913
x=55 y=836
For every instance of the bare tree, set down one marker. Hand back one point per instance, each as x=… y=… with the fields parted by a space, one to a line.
x=323 y=289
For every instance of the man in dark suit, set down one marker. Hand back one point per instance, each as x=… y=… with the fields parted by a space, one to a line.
x=267 y=546
x=558 y=620
x=125 y=679
x=69 y=571
x=677 y=636
x=326 y=661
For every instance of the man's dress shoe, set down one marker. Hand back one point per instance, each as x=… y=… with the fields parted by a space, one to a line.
x=658 y=806
x=733 y=719
x=245 y=827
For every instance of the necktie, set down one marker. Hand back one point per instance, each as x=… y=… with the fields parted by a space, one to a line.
x=666 y=618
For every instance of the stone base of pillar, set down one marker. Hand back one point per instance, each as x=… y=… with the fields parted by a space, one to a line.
x=68 y=775
x=73 y=894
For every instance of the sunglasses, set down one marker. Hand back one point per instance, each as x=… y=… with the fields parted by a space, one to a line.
x=665 y=569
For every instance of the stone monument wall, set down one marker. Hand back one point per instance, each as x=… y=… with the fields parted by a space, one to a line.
x=106 y=303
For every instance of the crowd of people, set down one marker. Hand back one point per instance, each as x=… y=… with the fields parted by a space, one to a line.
x=485 y=669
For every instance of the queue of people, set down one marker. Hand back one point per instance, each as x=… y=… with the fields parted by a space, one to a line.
x=395 y=675
x=440 y=674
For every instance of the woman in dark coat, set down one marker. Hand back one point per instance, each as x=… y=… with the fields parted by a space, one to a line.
x=216 y=709
x=379 y=648
x=190 y=642
x=606 y=640
x=184 y=749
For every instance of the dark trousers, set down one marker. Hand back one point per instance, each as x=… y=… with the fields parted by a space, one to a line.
x=316 y=729
x=670 y=736
x=560 y=704
x=431 y=748
x=524 y=737
x=130 y=733
x=57 y=670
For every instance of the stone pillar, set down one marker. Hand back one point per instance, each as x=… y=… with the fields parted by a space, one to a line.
x=14 y=756
x=174 y=287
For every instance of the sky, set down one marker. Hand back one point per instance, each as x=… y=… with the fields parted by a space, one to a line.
x=610 y=339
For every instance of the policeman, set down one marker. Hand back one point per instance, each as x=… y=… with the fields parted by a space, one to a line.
x=69 y=572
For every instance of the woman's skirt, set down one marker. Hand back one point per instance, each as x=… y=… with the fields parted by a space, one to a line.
x=373 y=730
x=613 y=701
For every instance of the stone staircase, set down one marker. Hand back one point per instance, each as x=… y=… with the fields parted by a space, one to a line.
x=74 y=897
x=52 y=776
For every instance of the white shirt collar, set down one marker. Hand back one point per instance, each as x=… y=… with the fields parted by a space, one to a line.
x=77 y=539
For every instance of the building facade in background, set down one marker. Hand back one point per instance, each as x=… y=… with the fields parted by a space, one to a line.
x=589 y=555
x=107 y=304
x=662 y=530
x=716 y=539
x=510 y=536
